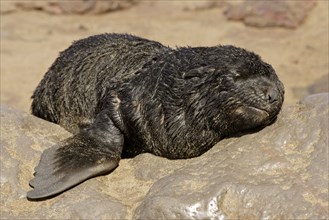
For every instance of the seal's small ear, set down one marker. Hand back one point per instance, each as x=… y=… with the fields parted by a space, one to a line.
x=94 y=151
x=198 y=72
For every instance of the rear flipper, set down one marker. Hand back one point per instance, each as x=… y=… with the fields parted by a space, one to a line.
x=94 y=151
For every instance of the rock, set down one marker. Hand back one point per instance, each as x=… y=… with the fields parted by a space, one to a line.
x=72 y=7
x=276 y=13
x=23 y=137
x=7 y=7
x=202 y=5
x=318 y=86
x=278 y=172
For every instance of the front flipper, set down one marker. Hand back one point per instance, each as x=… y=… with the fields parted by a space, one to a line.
x=94 y=151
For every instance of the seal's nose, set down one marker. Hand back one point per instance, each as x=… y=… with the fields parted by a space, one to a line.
x=272 y=95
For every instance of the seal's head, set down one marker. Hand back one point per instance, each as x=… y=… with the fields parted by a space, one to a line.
x=240 y=90
x=257 y=92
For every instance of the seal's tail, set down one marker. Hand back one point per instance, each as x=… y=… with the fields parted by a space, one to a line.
x=94 y=151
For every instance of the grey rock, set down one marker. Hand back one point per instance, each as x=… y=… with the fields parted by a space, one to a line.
x=276 y=13
x=202 y=5
x=278 y=172
x=7 y=7
x=68 y=7
x=23 y=138
x=320 y=85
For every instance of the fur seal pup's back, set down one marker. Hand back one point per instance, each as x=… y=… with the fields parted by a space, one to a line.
x=129 y=95
x=71 y=89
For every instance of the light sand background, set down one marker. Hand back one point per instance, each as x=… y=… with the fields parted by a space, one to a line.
x=31 y=40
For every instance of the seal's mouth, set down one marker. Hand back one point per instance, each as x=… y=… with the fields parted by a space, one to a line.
x=251 y=116
x=262 y=116
x=261 y=111
x=268 y=118
x=272 y=119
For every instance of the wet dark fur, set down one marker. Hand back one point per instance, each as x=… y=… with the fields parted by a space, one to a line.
x=122 y=95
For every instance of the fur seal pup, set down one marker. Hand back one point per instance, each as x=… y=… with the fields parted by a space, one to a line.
x=122 y=95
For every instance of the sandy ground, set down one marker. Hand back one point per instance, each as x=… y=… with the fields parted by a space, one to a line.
x=31 y=40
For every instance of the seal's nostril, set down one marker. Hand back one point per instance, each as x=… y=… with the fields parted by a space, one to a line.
x=272 y=95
